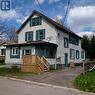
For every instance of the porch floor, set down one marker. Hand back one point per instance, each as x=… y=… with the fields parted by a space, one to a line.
x=61 y=78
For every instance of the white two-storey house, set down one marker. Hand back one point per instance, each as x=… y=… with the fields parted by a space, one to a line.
x=40 y=35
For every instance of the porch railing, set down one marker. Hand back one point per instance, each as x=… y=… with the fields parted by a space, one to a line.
x=32 y=63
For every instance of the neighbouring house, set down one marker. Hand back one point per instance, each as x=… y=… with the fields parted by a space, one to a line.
x=42 y=36
x=2 y=49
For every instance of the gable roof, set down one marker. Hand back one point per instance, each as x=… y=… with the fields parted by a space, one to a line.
x=57 y=25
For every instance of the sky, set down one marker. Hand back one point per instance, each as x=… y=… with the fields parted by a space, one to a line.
x=80 y=18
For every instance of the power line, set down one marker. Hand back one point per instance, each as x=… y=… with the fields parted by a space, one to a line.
x=67 y=10
x=39 y=5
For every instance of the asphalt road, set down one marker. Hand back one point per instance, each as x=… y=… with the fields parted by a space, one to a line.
x=13 y=87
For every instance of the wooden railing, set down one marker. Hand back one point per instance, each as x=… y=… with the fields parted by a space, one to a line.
x=45 y=62
x=32 y=63
x=88 y=65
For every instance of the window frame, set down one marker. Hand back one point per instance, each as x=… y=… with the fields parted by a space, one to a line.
x=35 y=21
x=15 y=51
x=27 y=36
x=77 y=54
x=72 y=56
x=82 y=54
x=66 y=42
x=38 y=35
x=73 y=40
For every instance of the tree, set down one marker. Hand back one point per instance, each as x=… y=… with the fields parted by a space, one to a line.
x=3 y=30
x=12 y=35
x=92 y=48
x=85 y=45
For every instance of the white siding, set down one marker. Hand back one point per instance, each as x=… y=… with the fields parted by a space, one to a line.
x=50 y=31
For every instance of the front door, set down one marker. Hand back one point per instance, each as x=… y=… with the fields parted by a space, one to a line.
x=66 y=60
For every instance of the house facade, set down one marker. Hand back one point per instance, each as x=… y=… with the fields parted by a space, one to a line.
x=39 y=35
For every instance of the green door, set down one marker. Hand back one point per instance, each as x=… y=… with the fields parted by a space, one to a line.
x=66 y=60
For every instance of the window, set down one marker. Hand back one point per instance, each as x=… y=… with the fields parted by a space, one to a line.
x=66 y=42
x=40 y=34
x=82 y=54
x=48 y=52
x=77 y=54
x=3 y=51
x=15 y=52
x=29 y=36
x=72 y=54
x=35 y=21
x=26 y=52
x=73 y=40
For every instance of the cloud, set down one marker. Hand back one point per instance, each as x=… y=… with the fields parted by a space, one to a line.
x=86 y=33
x=39 y=1
x=53 y=1
x=80 y=18
x=21 y=20
x=59 y=17
x=7 y=15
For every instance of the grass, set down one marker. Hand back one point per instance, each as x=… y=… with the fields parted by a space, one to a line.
x=86 y=82
x=13 y=72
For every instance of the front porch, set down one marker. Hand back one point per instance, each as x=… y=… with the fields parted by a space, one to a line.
x=32 y=53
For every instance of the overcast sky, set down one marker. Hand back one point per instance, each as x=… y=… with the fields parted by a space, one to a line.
x=81 y=16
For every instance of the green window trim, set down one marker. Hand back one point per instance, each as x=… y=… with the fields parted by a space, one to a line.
x=77 y=54
x=73 y=40
x=14 y=56
x=40 y=34
x=29 y=36
x=66 y=42
x=82 y=54
x=72 y=54
x=35 y=21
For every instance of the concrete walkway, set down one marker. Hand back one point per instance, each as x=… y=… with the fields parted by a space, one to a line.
x=18 y=87
x=61 y=78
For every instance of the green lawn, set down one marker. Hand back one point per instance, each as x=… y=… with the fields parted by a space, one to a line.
x=13 y=72
x=86 y=82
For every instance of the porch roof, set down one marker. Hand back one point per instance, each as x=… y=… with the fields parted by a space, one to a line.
x=33 y=43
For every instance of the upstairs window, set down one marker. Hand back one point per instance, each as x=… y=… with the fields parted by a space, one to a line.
x=72 y=54
x=73 y=40
x=66 y=45
x=29 y=36
x=77 y=54
x=35 y=21
x=40 y=34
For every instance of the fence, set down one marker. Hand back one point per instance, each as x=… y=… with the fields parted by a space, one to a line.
x=88 y=65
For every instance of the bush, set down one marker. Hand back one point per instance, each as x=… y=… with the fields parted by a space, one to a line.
x=2 y=62
x=52 y=67
x=86 y=82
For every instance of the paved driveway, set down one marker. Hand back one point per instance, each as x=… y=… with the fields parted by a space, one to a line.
x=61 y=78
x=14 y=87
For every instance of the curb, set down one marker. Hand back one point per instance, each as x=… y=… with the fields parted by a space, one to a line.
x=46 y=85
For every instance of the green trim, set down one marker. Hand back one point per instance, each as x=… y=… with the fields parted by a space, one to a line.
x=40 y=34
x=27 y=35
x=73 y=40
x=66 y=42
x=77 y=54
x=82 y=54
x=71 y=56
x=35 y=21
x=15 y=56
